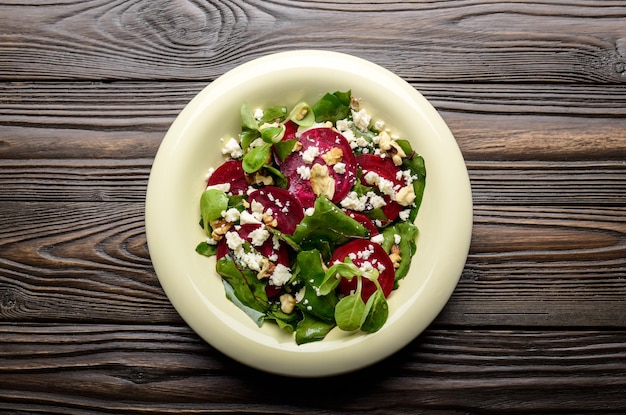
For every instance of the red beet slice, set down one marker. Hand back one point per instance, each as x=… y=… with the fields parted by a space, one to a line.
x=324 y=139
x=385 y=168
x=365 y=221
x=230 y=172
x=361 y=251
x=285 y=207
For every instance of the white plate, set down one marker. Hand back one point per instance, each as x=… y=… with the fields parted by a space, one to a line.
x=192 y=145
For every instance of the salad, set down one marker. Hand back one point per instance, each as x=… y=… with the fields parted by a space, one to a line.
x=311 y=216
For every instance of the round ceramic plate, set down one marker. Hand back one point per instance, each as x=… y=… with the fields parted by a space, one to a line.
x=193 y=145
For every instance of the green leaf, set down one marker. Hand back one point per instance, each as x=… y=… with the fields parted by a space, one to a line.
x=247 y=118
x=311 y=271
x=332 y=107
x=284 y=148
x=279 y=178
x=349 y=312
x=302 y=114
x=314 y=230
x=212 y=203
x=273 y=134
x=273 y=114
x=256 y=158
x=408 y=233
x=287 y=322
x=244 y=289
x=246 y=137
x=375 y=313
x=205 y=249
x=312 y=329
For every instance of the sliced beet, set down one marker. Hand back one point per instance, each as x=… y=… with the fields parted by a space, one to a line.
x=324 y=139
x=365 y=221
x=361 y=251
x=285 y=207
x=385 y=168
x=230 y=172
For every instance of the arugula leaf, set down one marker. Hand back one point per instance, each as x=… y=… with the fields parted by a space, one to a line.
x=332 y=107
x=302 y=114
x=276 y=113
x=284 y=148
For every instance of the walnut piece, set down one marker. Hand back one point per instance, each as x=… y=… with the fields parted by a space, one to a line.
x=395 y=256
x=406 y=195
x=333 y=156
x=287 y=303
x=220 y=227
x=321 y=182
x=391 y=148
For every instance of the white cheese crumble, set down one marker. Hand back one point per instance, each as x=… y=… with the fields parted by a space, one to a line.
x=281 y=275
x=224 y=187
x=309 y=154
x=378 y=239
x=232 y=149
x=231 y=215
x=259 y=236
x=340 y=168
x=361 y=119
x=304 y=172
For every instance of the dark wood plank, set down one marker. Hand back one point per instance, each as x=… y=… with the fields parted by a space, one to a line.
x=545 y=41
x=533 y=183
x=167 y=369
x=534 y=266
x=129 y=120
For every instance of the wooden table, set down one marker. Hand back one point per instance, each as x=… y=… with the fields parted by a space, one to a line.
x=535 y=94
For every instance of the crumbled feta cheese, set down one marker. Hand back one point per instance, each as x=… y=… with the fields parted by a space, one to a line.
x=361 y=119
x=246 y=217
x=304 y=172
x=232 y=149
x=259 y=236
x=340 y=168
x=309 y=154
x=375 y=200
x=281 y=275
x=344 y=125
x=309 y=211
x=231 y=215
x=404 y=215
x=209 y=173
x=397 y=238
x=224 y=187
x=379 y=125
x=258 y=114
x=353 y=202
x=379 y=239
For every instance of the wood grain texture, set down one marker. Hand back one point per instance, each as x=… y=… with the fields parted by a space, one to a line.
x=90 y=263
x=129 y=120
x=165 y=369
x=544 y=41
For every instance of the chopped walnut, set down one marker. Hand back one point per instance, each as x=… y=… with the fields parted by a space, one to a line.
x=395 y=256
x=267 y=269
x=391 y=148
x=287 y=303
x=354 y=104
x=297 y=146
x=258 y=178
x=406 y=195
x=269 y=220
x=220 y=227
x=333 y=156
x=321 y=182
